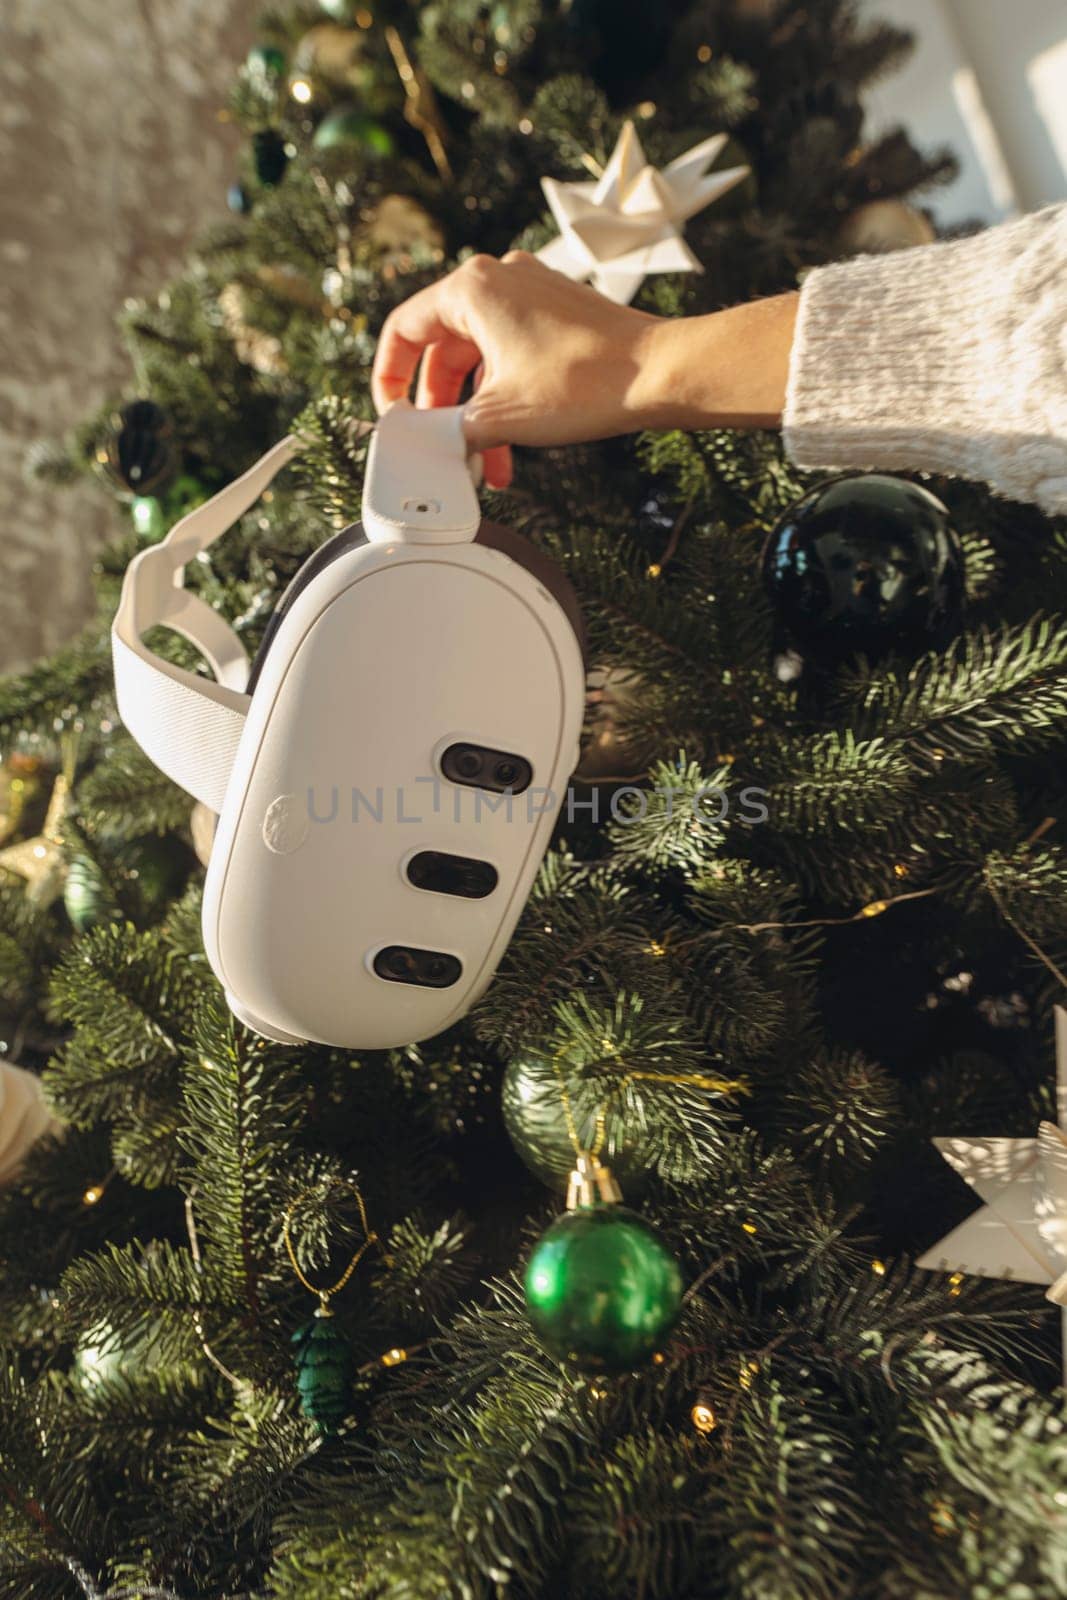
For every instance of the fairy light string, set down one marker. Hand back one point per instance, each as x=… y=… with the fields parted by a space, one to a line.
x=693 y=1080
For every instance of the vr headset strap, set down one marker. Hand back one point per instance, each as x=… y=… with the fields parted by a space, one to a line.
x=418 y=488
x=186 y=724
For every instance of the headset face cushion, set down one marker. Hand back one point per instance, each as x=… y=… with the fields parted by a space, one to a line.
x=367 y=872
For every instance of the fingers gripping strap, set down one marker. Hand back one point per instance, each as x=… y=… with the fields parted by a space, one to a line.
x=186 y=724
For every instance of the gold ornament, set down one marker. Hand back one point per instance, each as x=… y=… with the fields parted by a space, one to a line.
x=881 y=226
x=290 y=284
x=398 y=226
x=40 y=860
x=703 y=1417
x=202 y=824
x=256 y=349
x=335 y=54
x=20 y=783
x=420 y=104
x=607 y=754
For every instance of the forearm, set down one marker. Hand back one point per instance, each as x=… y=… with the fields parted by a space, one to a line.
x=726 y=370
x=948 y=358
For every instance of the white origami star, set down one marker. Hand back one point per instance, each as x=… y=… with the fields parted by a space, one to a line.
x=1021 y=1230
x=629 y=222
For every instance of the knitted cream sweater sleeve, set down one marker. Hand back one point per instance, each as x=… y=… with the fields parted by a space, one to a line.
x=947 y=358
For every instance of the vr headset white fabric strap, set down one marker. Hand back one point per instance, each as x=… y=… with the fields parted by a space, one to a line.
x=418 y=486
x=186 y=724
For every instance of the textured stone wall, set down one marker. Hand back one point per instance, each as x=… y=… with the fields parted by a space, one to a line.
x=111 y=157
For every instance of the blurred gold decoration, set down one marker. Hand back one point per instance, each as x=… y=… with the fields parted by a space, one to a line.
x=398 y=225
x=881 y=226
x=254 y=348
x=420 y=108
x=703 y=1417
x=336 y=54
x=20 y=784
x=202 y=825
x=40 y=860
x=290 y=284
x=607 y=753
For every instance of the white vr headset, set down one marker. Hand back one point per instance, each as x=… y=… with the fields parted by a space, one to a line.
x=387 y=776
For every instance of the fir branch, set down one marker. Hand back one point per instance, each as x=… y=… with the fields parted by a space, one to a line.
x=992 y=690
x=680 y=824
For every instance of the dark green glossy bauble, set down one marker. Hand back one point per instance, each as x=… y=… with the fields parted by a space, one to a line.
x=537 y=1124
x=865 y=565
x=153 y=868
x=602 y=1289
x=325 y=1368
x=268 y=59
x=87 y=897
x=269 y=156
x=621 y=42
x=140 y=449
x=349 y=126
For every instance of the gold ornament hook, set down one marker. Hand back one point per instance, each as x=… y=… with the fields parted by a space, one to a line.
x=370 y=1237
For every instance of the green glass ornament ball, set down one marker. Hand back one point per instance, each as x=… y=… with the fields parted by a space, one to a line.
x=148 y=519
x=602 y=1289
x=87 y=897
x=268 y=59
x=348 y=126
x=155 y=867
x=537 y=1126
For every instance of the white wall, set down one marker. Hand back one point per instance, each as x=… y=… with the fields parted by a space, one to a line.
x=989 y=78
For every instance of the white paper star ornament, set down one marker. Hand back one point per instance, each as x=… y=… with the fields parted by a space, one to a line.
x=614 y=232
x=1021 y=1230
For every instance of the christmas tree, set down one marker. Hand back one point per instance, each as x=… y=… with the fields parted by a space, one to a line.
x=757 y=1015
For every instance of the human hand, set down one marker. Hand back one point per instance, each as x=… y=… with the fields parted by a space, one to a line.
x=556 y=362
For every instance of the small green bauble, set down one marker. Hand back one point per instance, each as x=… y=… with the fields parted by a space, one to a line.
x=536 y=1120
x=147 y=514
x=347 y=125
x=324 y=1372
x=602 y=1289
x=268 y=59
x=155 y=868
x=87 y=896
